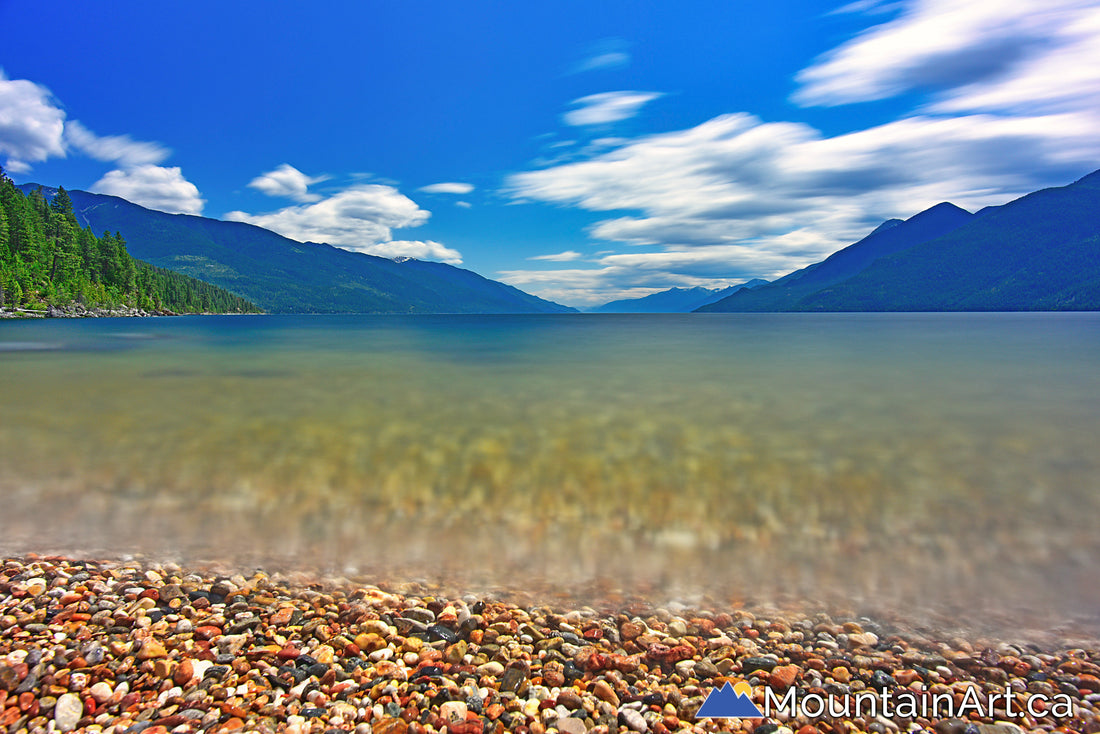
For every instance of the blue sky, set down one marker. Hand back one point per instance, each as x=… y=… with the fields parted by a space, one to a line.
x=580 y=151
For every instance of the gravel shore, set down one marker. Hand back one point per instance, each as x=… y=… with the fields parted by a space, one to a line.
x=126 y=646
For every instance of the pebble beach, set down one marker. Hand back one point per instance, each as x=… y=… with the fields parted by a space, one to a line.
x=136 y=646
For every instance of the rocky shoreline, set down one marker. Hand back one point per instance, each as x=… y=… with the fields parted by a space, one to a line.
x=78 y=311
x=126 y=646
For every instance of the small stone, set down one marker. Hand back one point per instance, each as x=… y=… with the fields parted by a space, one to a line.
x=512 y=680
x=784 y=676
x=633 y=720
x=705 y=669
x=453 y=712
x=602 y=690
x=882 y=681
x=152 y=649
x=907 y=676
x=231 y=644
x=67 y=711
x=570 y=725
x=168 y=592
x=389 y=725
x=281 y=616
x=748 y=665
x=101 y=692
x=863 y=639
x=570 y=699
x=183 y=674
x=438 y=632
x=492 y=669
x=472 y=726
x=454 y=653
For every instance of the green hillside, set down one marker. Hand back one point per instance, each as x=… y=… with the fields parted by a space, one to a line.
x=1040 y=252
x=48 y=259
x=285 y=276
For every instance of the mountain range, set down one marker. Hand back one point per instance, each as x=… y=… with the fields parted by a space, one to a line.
x=282 y=275
x=674 y=300
x=1039 y=252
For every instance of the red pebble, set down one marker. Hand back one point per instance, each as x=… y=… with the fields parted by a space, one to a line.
x=783 y=676
x=290 y=652
x=470 y=726
x=26 y=702
x=1088 y=682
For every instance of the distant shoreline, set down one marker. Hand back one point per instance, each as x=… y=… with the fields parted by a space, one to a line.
x=75 y=311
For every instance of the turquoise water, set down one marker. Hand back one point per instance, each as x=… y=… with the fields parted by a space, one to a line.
x=907 y=460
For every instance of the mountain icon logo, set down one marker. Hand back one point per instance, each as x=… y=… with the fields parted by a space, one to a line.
x=729 y=702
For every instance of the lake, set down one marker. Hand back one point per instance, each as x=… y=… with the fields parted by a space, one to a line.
x=944 y=462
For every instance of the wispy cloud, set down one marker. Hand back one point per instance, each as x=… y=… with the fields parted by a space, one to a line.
x=937 y=45
x=120 y=149
x=606 y=107
x=360 y=218
x=559 y=257
x=869 y=7
x=448 y=188
x=634 y=275
x=156 y=187
x=287 y=181
x=1013 y=109
x=611 y=53
x=419 y=250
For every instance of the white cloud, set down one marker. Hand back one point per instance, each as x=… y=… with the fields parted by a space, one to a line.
x=463 y=204
x=289 y=182
x=31 y=124
x=632 y=276
x=427 y=250
x=869 y=7
x=610 y=53
x=33 y=129
x=448 y=188
x=609 y=60
x=1010 y=107
x=1063 y=76
x=559 y=257
x=938 y=45
x=121 y=149
x=605 y=107
x=361 y=218
x=155 y=187
x=735 y=179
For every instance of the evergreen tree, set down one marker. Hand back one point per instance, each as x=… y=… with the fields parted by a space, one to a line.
x=46 y=257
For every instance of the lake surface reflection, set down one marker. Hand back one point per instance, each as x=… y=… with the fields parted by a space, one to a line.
x=903 y=461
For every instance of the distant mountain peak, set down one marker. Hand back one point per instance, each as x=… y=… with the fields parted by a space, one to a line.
x=282 y=275
x=888 y=224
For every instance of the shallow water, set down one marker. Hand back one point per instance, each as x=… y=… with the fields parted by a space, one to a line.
x=904 y=461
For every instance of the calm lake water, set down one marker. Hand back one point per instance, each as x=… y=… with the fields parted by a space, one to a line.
x=911 y=461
